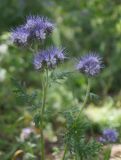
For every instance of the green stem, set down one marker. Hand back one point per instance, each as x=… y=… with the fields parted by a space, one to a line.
x=86 y=98
x=83 y=105
x=64 y=154
x=45 y=86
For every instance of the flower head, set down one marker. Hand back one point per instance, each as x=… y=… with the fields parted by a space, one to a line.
x=48 y=58
x=109 y=135
x=36 y=28
x=90 y=64
x=20 y=36
x=39 y=26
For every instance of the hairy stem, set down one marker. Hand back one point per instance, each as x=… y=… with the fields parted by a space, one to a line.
x=45 y=87
x=83 y=105
x=86 y=98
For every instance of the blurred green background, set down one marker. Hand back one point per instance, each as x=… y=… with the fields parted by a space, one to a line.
x=81 y=26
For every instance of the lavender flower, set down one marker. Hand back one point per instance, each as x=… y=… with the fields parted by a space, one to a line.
x=39 y=26
x=20 y=36
x=90 y=64
x=35 y=28
x=109 y=135
x=49 y=58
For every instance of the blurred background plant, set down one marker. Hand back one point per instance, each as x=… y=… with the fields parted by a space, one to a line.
x=82 y=25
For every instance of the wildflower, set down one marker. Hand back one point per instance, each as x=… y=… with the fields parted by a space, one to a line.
x=49 y=58
x=35 y=28
x=26 y=132
x=90 y=64
x=39 y=27
x=109 y=135
x=20 y=36
x=39 y=34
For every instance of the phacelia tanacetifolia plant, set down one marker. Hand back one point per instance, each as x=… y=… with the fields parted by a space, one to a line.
x=35 y=28
x=76 y=142
x=31 y=34
x=34 y=31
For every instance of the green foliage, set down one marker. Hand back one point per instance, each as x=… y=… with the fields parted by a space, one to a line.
x=77 y=140
x=37 y=119
x=57 y=77
x=107 y=153
x=28 y=100
x=22 y=95
x=93 y=96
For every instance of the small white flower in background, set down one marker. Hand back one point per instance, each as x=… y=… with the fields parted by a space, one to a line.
x=3 y=48
x=26 y=133
x=2 y=74
x=3 y=51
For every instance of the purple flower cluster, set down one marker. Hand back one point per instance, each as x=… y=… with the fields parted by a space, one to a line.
x=38 y=28
x=48 y=58
x=20 y=36
x=90 y=64
x=35 y=28
x=108 y=136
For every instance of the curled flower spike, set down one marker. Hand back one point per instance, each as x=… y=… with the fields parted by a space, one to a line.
x=39 y=26
x=35 y=28
x=20 y=36
x=49 y=58
x=90 y=65
x=34 y=22
x=109 y=135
